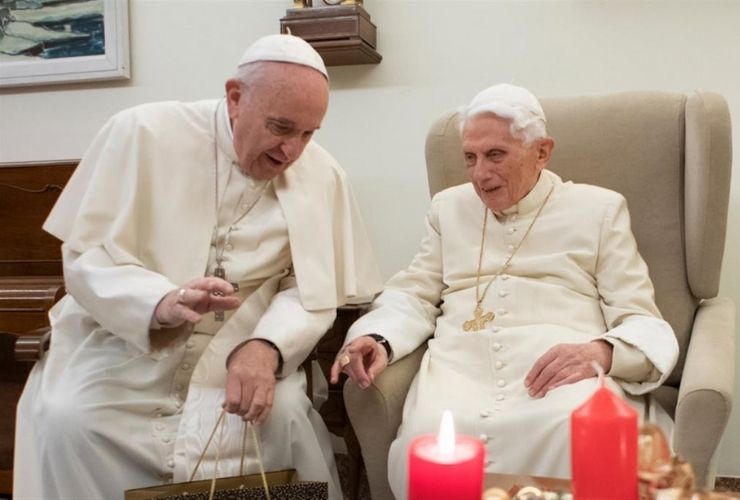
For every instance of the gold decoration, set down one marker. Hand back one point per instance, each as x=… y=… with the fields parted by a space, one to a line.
x=344 y=360
x=666 y=477
x=495 y=494
x=480 y=318
x=657 y=469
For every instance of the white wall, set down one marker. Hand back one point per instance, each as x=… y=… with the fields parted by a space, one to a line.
x=437 y=54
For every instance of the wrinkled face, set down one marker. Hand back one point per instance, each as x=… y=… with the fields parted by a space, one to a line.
x=274 y=116
x=501 y=167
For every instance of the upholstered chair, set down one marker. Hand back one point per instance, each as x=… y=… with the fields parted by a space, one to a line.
x=670 y=155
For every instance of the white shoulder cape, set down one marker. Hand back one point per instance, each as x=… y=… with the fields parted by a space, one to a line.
x=145 y=191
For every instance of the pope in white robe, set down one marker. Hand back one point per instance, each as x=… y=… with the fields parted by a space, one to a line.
x=556 y=272
x=203 y=242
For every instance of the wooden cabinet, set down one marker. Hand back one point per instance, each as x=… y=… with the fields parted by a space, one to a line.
x=30 y=280
x=27 y=194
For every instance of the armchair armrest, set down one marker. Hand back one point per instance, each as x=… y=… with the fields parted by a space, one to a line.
x=705 y=394
x=375 y=414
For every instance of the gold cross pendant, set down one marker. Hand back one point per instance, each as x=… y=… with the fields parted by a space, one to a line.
x=479 y=321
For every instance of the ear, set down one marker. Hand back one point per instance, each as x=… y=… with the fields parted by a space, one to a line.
x=234 y=93
x=544 y=151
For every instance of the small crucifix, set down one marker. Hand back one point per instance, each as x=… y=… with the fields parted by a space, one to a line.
x=220 y=272
x=479 y=321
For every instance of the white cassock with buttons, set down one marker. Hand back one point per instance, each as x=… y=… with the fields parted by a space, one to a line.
x=577 y=277
x=117 y=405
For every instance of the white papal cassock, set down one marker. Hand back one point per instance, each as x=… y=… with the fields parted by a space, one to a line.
x=116 y=404
x=577 y=277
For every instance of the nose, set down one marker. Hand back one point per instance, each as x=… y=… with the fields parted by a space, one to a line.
x=478 y=172
x=292 y=148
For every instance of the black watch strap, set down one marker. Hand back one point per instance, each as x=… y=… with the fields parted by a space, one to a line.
x=384 y=342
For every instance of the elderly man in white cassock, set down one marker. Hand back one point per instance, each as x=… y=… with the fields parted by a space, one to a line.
x=522 y=281
x=206 y=248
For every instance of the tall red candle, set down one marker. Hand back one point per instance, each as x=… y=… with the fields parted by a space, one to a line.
x=604 y=448
x=445 y=471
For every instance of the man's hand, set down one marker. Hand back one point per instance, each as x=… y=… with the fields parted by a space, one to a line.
x=567 y=364
x=191 y=302
x=250 y=381
x=362 y=360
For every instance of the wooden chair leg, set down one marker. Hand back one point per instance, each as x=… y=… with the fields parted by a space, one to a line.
x=6 y=482
x=354 y=462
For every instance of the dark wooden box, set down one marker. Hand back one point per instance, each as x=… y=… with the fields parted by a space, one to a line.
x=342 y=34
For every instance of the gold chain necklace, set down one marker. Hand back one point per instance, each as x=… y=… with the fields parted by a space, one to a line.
x=481 y=318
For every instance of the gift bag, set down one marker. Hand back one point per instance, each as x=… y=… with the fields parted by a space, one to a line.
x=279 y=485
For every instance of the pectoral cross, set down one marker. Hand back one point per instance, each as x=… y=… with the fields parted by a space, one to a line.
x=220 y=272
x=479 y=321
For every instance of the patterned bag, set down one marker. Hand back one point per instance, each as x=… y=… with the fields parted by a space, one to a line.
x=279 y=485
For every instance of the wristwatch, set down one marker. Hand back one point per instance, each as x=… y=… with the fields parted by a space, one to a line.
x=384 y=342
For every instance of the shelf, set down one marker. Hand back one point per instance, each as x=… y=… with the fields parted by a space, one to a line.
x=342 y=35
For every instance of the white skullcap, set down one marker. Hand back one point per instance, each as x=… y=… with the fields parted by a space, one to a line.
x=507 y=101
x=284 y=48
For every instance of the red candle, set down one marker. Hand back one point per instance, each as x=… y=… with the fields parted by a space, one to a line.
x=446 y=466
x=604 y=448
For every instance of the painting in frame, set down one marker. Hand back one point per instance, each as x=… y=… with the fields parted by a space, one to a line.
x=61 y=41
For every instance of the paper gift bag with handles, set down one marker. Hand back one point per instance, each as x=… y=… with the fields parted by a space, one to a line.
x=278 y=485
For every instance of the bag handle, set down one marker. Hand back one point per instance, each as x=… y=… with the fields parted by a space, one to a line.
x=255 y=438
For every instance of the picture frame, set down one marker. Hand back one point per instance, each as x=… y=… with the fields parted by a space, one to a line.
x=63 y=42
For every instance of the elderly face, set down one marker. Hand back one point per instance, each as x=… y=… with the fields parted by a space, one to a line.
x=501 y=167
x=274 y=116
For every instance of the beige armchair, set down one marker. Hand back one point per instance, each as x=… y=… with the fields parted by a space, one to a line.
x=670 y=156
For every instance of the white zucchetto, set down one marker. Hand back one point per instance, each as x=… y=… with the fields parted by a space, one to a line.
x=507 y=101
x=284 y=48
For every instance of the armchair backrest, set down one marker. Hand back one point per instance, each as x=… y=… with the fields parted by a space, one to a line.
x=669 y=154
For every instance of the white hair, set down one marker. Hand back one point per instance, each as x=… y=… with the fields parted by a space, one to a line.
x=515 y=104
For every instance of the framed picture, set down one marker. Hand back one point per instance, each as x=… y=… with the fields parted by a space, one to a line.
x=59 y=41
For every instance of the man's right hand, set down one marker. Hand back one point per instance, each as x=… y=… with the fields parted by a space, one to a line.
x=196 y=298
x=362 y=360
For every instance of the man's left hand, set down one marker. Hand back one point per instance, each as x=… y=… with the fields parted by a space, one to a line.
x=567 y=364
x=250 y=381
x=362 y=360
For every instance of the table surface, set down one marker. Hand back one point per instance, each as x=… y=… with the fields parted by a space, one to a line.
x=507 y=482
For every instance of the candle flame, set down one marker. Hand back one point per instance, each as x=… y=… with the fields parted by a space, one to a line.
x=446 y=436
